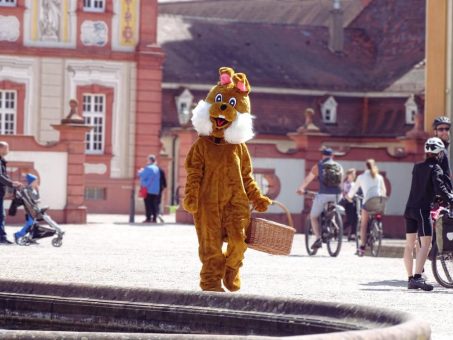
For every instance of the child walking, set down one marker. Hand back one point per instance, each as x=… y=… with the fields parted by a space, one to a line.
x=33 y=192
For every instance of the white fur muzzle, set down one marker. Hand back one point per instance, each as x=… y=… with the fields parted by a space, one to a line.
x=240 y=131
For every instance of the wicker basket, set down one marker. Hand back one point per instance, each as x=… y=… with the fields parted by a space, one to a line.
x=271 y=237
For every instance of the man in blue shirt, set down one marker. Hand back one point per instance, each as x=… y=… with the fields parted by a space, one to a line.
x=150 y=179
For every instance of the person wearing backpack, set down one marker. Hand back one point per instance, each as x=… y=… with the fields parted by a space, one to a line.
x=372 y=185
x=330 y=175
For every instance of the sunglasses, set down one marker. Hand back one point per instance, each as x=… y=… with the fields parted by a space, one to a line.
x=443 y=129
x=431 y=147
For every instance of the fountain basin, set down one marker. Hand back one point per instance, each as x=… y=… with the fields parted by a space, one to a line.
x=50 y=311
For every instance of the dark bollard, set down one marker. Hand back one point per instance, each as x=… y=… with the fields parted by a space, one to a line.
x=132 y=206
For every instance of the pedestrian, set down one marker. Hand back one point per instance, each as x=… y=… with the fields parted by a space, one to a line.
x=4 y=183
x=350 y=207
x=427 y=180
x=150 y=179
x=163 y=185
x=372 y=185
x=330 y=175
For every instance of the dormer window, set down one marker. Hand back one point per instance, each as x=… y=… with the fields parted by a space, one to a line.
x=7 y=3
x=184 y=106
x=94 y=5
x=329 y=111
x=411 y=110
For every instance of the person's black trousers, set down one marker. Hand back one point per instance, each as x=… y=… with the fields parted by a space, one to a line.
x=151 y=207
x=2 y=219
x=351 y=216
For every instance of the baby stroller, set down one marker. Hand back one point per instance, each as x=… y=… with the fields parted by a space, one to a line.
x=23 y=196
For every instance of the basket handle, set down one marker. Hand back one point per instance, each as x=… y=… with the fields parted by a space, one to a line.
x=285 y=209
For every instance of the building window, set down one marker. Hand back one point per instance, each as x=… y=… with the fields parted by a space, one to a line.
x=329 y=111
x=8 y=3
x=94 y=115
x=95 y=194
x=411 y=110
x=94 y=5
x=262 y=183
x=8 y=112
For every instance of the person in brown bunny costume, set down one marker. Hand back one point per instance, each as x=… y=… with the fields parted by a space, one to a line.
x=220 y=184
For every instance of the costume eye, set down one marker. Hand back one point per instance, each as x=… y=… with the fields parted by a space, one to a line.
x=218 y=98
x=232 y=102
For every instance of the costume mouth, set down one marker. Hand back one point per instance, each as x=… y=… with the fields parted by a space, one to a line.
x=220 y=122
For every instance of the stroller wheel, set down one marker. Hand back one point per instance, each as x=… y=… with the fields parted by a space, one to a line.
x=24 y=241
x=57 y=242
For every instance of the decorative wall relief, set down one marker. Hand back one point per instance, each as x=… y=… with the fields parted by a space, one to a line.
x=50 y=20
x=94 y=33
x=128 y=23
x=9 y=28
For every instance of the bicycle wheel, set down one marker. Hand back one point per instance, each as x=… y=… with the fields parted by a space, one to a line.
x=442 y=267
x=375 y=237
x=357 y=235
x=309 y=237
x=335 y=234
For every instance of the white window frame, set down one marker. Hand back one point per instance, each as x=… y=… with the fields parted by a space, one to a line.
x=411 y=110
x=5 y=3
x=262 y=183
x=4 y=111
x=90 y=6
x=329 y=111
x=91 y=113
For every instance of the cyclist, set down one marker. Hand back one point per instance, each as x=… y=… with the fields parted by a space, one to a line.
x=329 y=175
x=441 y=128
x=372 y=185
x=427 y=181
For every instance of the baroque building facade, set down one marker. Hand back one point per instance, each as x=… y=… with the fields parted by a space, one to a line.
x=102 y=53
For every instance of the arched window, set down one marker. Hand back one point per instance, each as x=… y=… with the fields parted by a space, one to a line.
x=329 y=111
x=411 y=110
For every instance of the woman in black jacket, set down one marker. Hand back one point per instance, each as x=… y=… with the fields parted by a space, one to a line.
x=427 y=182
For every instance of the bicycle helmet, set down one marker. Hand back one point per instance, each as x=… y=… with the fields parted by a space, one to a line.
x=434 y=145
x=441 y=120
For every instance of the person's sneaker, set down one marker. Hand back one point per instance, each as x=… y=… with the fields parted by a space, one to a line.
x=361 y=251
x=5 y=241
x=419 y=283
x=317 y=244
x=17 y=239
x=146 y=221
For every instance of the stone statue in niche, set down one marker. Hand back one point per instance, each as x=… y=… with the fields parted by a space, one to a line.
x=49 y=23
x=308 y=125
x=73 y=117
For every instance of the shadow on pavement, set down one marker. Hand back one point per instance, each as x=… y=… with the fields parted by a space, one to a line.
x=392 y=283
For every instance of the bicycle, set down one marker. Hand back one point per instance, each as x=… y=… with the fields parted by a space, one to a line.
x=442 y=262
x=375 y=230
x=331 y=224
